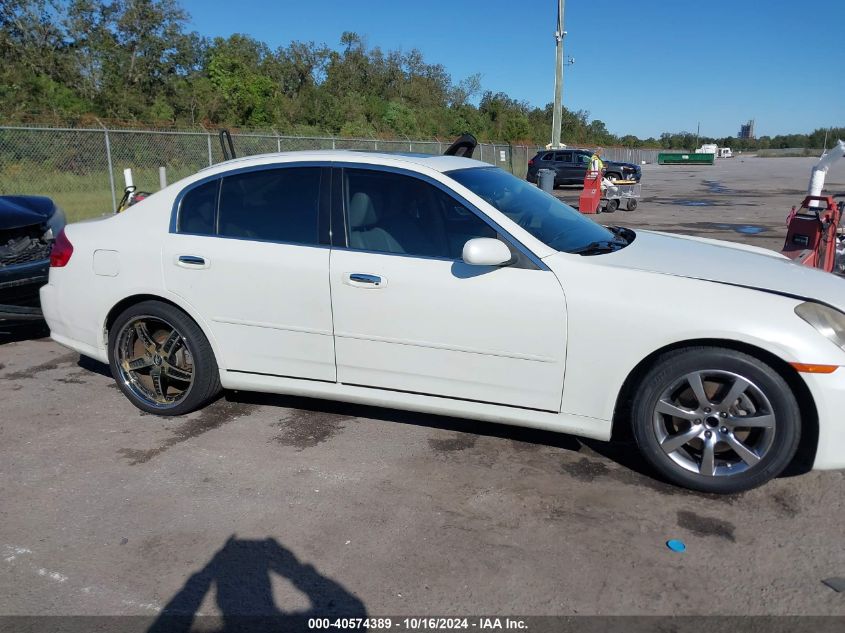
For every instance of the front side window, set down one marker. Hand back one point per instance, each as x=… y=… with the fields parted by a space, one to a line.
x=545 y=217
x=279 y=205
x=196 y=212
x=393 y=213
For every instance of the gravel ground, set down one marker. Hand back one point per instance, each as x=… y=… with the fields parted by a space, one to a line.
x=268 y=504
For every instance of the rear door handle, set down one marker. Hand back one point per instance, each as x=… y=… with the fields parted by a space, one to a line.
x=365 y=280
x=192 y=261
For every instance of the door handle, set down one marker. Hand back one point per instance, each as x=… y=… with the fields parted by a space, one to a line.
x=365 y=280
x=192 y=261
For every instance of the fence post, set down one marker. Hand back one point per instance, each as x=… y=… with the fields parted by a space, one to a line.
x=208 y=138
x=111 y=169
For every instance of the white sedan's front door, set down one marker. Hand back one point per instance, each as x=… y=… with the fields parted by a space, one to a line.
x=416 y=318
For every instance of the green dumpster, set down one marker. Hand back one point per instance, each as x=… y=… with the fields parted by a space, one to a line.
x=673 y=158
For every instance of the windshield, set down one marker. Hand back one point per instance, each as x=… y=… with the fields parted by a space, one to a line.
x=551 y=221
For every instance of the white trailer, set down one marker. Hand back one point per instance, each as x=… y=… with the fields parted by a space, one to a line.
x=718 y=152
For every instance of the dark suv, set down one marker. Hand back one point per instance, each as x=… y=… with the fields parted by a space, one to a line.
x=570 y=166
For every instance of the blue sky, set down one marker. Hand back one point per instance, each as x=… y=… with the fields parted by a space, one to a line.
x=641 y=66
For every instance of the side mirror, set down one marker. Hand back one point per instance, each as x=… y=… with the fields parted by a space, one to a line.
x=486 y=251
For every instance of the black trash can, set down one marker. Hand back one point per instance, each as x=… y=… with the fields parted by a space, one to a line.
x=546 y=180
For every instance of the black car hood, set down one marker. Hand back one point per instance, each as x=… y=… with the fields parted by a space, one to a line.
x=20 y=211
x=616 y=163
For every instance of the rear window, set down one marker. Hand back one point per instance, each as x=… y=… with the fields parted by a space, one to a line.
x=279 y=205
x=196 y=213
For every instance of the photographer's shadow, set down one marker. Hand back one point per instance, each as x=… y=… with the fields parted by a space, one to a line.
x=240 y=573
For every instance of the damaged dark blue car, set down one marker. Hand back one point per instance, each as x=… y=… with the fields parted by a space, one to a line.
x=28 y=227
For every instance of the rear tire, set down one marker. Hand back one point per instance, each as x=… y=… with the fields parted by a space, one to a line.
x=742 y=429
x=161 y=360
x=632 y=205
x=612 y=205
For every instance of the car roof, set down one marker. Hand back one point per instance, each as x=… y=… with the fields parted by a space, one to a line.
x=433 y=161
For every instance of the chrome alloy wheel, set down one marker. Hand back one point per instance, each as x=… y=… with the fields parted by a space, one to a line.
x=714 y=423
x=154 y=361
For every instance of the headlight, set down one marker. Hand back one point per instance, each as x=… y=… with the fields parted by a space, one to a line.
x=829 y=322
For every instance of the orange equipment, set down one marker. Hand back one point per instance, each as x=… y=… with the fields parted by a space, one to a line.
x=590 y=198
x=811 y=233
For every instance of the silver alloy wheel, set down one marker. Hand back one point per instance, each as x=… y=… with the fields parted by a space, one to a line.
x=714 y=423
x=154 y=361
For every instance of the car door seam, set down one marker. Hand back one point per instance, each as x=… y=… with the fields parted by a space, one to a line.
x=451 y=348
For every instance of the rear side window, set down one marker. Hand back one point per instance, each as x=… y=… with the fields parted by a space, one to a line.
x=196 y=213
x=279 y=205
x=547 y=156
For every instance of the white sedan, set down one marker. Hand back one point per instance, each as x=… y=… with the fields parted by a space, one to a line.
x=444 y=285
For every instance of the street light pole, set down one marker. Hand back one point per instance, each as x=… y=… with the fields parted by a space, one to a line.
x=556 y=113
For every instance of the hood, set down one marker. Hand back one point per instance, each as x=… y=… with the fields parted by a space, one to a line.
x=20 y=211
x=618 y=163
x=728 y=263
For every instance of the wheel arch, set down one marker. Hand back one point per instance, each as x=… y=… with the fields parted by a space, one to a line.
x=134 y=299
x=804 y=457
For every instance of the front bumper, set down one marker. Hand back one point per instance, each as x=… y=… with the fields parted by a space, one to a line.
x=828 y=391
x=19 y=285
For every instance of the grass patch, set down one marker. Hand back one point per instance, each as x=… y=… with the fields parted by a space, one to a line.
x=798 y=152
x=82 y=196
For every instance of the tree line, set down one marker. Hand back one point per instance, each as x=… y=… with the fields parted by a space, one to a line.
x=822 y=137
x=69 y=61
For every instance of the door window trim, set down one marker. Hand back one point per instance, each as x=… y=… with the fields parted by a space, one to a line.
x=323 y=206
x=525 y=258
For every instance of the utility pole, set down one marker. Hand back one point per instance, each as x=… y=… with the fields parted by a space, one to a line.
x=556 y=114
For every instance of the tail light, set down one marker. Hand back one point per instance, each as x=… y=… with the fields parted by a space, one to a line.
x=61 y=251
x=531 y=163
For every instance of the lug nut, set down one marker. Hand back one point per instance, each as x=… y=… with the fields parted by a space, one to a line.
x=708 y=434
x=724 y=430
x=706 y=409
x=723 y=414
x=698 y=420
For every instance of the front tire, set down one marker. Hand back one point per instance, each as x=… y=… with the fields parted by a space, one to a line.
x=161 y=360
x=715 y=420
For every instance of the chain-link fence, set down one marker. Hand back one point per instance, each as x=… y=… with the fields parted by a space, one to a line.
x=82 y=169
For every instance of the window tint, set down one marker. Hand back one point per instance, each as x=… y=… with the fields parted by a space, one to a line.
x=392 y=213
x=547 y=156
x=548 y=219
x=196 y=213
x=280 y=205
x=583 y=159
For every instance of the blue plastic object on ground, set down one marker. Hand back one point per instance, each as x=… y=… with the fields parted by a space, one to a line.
x=676 y=545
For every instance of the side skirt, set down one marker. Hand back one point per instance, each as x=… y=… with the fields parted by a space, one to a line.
x=557 y=422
